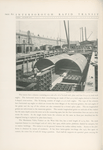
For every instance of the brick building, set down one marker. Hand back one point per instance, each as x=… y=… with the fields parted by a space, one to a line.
x=26 y=41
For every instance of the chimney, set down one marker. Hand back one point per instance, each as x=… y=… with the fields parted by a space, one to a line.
x=82 y=35
x=85 y=34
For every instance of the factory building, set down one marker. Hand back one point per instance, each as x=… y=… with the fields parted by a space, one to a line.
x=27 y=41
x=87 y=44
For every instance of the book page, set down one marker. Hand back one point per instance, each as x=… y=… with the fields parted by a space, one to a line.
x=50 y=81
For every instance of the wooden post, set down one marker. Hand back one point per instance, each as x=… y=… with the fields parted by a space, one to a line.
x=23 y=66
x=44 y=54
x=32 y=65
x=25 y=49
x=81 y=86
x=27 y=64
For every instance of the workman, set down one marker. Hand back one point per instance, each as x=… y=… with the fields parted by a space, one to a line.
x=35 y=70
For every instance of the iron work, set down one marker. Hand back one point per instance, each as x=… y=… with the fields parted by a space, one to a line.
x=77 y=59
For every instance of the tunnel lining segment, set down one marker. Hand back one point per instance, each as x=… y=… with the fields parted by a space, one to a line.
x=78 y=59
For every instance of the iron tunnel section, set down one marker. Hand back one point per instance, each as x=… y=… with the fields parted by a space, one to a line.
x=74 y=67
x=66 y=65
x=43 y=63
x=57 y=73
x=62 y=63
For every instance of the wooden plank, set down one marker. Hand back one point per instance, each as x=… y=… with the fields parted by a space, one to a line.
x=48 y=68
x=30 y=86
x=26 y=80
x=20 y=87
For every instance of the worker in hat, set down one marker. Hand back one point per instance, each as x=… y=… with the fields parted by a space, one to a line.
x=35 y=70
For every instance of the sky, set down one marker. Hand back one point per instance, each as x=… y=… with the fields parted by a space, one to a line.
x=55 y=29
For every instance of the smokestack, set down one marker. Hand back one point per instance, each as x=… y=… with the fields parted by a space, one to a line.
x=82 y=35
x=85 y=34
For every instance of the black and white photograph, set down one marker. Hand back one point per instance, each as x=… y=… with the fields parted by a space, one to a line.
x=51 y=95
x=57 y=55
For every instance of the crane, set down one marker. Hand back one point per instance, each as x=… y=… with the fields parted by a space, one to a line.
x=89 y=35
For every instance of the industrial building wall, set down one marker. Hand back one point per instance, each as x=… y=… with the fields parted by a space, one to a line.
x=37 y=41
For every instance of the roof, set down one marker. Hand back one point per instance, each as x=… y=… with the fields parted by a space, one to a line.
x=78 y=59
x=46 y=45
x=23 y=33
x=86 y=42
x=24 y=44
x=72 y=42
